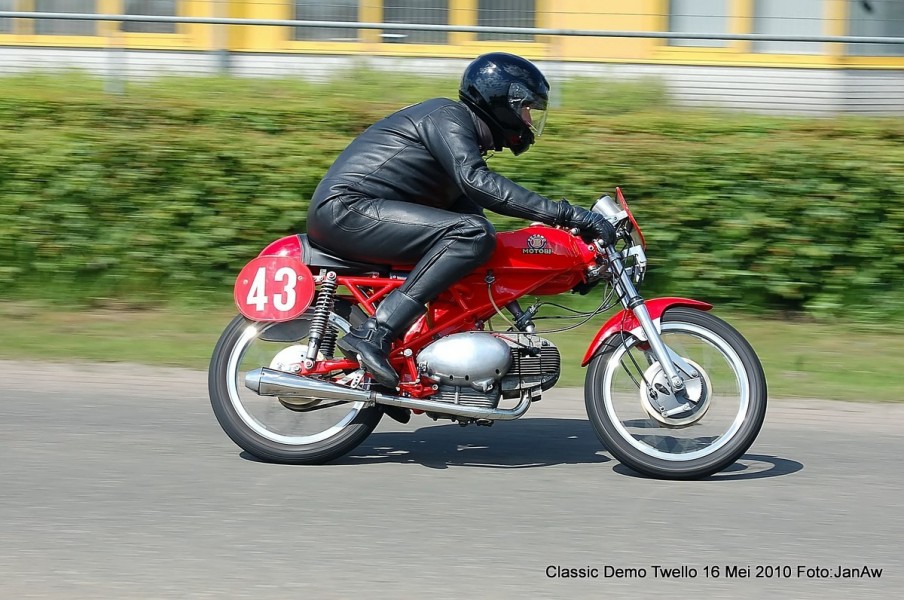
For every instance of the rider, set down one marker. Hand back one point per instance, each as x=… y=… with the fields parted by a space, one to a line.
x=411 y=189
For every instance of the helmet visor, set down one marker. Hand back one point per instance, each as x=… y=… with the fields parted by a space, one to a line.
x=535 y=119
x=530 y=107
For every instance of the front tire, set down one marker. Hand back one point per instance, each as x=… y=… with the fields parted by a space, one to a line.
x=266 y=427
x=731 y=406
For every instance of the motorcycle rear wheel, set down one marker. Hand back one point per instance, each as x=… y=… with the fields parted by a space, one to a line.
x=729 y=413
x=281 y=430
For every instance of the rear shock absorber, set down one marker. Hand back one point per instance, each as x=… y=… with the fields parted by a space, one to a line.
x=321 y=334
x=328 y=342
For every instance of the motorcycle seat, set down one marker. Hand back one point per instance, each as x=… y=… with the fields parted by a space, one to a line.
x=317 y=257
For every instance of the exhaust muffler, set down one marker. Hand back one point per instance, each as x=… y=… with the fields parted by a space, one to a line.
x=267 y=382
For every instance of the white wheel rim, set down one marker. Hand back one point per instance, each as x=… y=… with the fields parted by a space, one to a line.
x=734 y=360
x=238 y=351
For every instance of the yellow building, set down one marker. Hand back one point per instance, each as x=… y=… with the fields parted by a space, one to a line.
x=25 y=43
x=777 y=17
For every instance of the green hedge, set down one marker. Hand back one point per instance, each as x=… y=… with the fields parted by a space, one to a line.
x=172 y=187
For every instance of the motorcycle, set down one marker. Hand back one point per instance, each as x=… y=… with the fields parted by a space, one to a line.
x=671 y=390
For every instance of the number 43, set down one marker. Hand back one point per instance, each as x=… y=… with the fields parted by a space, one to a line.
x=257 y=293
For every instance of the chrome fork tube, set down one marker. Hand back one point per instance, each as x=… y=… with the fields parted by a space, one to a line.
x=659 y=349
x=633 y=301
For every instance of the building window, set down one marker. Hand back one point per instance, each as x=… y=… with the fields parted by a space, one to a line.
x=877 y=18
x=331 y=10
x=421 y=12
x=506 y=13
x=698 y=16
x=780 y=17
x=6 y=25
x=156 y=8
x=65 y=26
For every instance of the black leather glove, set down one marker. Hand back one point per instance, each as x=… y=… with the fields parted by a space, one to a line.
x=593 y=226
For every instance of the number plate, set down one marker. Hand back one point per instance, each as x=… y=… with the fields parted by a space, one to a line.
x=274 y=288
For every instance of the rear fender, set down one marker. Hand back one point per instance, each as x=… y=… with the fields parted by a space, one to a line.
x=625 y=322
x=285 y=246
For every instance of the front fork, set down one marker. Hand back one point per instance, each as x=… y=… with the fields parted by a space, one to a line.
x=672 y=364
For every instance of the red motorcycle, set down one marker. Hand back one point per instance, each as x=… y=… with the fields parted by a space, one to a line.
x=671 y=390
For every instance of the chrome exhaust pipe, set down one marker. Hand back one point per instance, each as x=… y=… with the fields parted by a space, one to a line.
x=267 y=382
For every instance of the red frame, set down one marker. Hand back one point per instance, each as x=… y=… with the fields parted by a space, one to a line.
x=539 y=260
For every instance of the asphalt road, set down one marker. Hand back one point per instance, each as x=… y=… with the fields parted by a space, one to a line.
x=118 y=483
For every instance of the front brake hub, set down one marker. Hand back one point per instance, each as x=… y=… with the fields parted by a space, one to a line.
x=680 y=409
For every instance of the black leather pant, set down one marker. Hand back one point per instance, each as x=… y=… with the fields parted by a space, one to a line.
x=443 y=245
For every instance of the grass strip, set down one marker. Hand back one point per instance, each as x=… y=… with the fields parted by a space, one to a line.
x=802 y=358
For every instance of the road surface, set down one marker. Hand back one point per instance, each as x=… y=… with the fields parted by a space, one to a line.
x=118 y=483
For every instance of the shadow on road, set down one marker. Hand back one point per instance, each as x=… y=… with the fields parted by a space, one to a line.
x=528 y=443
x=750 y=466
x=524 y=444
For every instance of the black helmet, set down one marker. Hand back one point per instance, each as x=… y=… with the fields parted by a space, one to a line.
x=510 y=94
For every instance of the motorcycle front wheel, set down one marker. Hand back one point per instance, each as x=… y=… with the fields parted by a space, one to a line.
x=628 y=400
x=283 y=430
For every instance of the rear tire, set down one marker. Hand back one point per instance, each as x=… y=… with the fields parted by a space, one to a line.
x=226 y=389
x=671 y=452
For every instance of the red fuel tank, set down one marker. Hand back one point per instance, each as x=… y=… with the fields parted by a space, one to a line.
x=554 y=258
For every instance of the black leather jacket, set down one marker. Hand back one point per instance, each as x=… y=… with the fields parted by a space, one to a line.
x=430 y=154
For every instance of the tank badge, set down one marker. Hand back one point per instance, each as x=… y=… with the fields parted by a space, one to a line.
x=537 y=244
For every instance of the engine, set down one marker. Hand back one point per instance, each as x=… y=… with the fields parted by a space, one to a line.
x=479 y=368
x=535 y=364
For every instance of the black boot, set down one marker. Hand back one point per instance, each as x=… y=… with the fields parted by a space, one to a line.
x=372 y=340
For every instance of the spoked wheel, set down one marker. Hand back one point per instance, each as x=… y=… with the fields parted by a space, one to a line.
x=284 y=430
x=686 y=435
